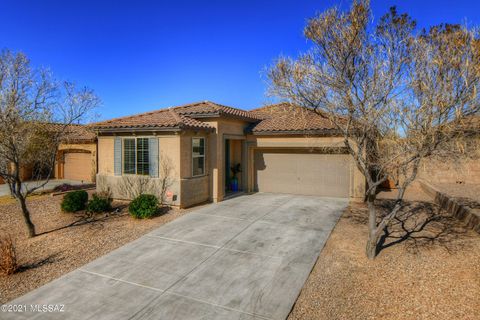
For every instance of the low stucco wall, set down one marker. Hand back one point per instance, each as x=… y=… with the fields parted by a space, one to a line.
x=194 y=191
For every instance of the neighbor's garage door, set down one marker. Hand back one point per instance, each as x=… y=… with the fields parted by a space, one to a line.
x=303 y=173
x=78 y=166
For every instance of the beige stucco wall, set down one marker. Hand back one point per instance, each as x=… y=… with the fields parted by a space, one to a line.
x=193 y=190
x=357 y=184
x=105 y=155
x=169 y=151
x=295 y=141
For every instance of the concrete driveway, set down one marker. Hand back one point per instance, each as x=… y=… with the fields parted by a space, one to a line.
x=245 y=258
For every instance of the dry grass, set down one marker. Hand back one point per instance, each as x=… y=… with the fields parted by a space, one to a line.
x=8 y=257
x=428 y=268
x=60 y=250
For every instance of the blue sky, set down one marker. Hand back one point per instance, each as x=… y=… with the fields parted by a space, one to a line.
x=143 y=55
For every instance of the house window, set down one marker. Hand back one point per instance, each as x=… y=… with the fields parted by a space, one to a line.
x=135 y=156
x=198 y=156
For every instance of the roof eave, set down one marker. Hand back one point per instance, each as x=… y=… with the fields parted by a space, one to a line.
x=151 y=129
x=79 y=141
x=319 y=132
x=220 y=114
x=137 y=129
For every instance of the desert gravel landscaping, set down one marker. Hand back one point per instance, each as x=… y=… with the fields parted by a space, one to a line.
x=431 y=274
x=47 y=257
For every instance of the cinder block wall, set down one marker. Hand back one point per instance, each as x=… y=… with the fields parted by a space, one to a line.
x=450 y=172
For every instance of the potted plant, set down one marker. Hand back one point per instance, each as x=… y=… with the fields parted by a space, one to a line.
x=236 y=169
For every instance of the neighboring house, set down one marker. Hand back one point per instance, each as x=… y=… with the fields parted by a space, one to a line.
x=76 y=157
x=279 y=148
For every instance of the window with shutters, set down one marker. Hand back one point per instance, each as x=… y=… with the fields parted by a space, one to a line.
x=136 y=156
x=198 y=156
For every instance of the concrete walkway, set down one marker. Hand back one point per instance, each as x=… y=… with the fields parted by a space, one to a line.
x=245 y=258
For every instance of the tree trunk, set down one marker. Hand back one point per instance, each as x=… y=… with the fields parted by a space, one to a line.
x=371 y=248
x=26 y=217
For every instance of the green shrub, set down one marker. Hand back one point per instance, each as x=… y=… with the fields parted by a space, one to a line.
x=99 y=203
x=74 y=201
x=143 y=206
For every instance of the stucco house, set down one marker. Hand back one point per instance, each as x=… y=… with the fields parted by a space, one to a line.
x=76 y=157
x=278 y=148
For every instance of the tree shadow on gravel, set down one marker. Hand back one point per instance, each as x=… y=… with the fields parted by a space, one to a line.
x=97 y=221
x=418 y=226
x=32 y=265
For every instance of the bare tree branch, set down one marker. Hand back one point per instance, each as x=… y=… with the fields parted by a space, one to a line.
x=396 y=96
x=36 y=113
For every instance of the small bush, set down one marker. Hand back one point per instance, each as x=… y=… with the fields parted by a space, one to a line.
x=8 y=258
x=143 y=206
x=99 y=203
x=74 y=201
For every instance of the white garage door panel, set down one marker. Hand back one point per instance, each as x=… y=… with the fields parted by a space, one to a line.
x=78 y=166
x=303 y=173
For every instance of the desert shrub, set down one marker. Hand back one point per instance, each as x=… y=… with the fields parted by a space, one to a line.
x=143 y=206
x=8 y=258
x=74 y=201
x=100 y=203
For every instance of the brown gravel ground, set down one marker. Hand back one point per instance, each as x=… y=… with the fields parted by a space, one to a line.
x=432 y=272
x=46 y=257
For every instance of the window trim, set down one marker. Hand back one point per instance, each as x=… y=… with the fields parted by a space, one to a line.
x=136 y=164
x=200 y=156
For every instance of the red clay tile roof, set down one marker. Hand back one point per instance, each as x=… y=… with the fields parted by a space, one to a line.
x=288 y=118
x=180 y=117
x=208 y=108
x=277 y=118
x=161 y=119
x=73 y=132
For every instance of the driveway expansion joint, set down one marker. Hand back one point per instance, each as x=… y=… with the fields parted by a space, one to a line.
x=182 y=277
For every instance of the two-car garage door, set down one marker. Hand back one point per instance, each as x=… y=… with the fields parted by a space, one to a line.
x=304 y=173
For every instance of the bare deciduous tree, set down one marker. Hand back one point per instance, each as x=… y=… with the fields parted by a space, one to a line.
x=36 y=113
x=395 y=95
